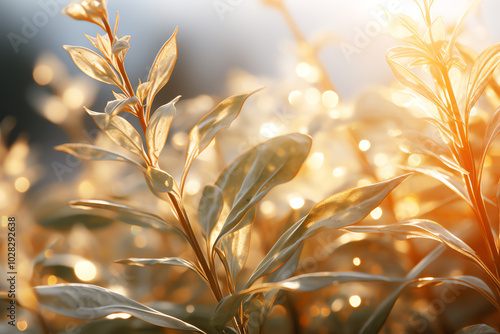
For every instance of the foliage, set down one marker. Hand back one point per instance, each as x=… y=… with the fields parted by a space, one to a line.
x=226 y=210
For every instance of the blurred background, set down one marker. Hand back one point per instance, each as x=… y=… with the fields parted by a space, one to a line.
x=238 y=34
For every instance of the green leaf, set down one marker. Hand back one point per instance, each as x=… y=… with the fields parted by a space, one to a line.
x=91 y=152
x=245 y=182
x=173 y=261
x=204 y=132
x=478 y=329
x=126 y=214
x=162 y=68
x=85 y=301
x=93 y=65
x=120 y=131
x=158 y=128
x=339 y=210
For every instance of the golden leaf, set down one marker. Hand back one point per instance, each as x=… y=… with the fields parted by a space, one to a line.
x=228 y=306
x=120 y=131
x=246 y=181
x=93 y=65
x=202 y=133
x=423 y=228
x=91 y=152
x=210 y=207
x=405 y=29
x=410 y=80
x=162 y=181
x=142 y=90
x=414 y=142
x=339 y=210
x=173 y=261
x=126 y=214
x=480 y=75
x=158 y=128
x=162 y=68
x=121 y=46
x=235 y=247
x=436 y=34
x=104 y=45
x=444 y=177
x=115 y=107
x=492 y=131
x=86 y=301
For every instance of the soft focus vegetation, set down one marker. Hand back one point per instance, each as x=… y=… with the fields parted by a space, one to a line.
x=224 y=215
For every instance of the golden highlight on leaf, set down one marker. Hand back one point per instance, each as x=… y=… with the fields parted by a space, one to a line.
x=410 y=80
x=162 y=181
x=85 y=301
x=91 y=152
x=126 y=214
x=235 y=246
x=204 y=132
x=414 y=142
x=158 y=128
x=162 y=68
x=173 y=261
x=339 y=210
x=120 y=131
x=480 y=75
x=210 y=207
x=245 y=182
x=93 y=65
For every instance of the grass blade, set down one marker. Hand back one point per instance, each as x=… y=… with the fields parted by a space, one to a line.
x=339 y=210
x=85 y=301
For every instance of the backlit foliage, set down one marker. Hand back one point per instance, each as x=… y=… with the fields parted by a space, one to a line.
x=203 y=228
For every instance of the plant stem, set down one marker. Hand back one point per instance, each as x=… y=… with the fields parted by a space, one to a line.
x=128 y=86
x=214 y=285
x=210 y=274
x=467 y=159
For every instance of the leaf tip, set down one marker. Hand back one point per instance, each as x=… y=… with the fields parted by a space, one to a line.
x=60 y=148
